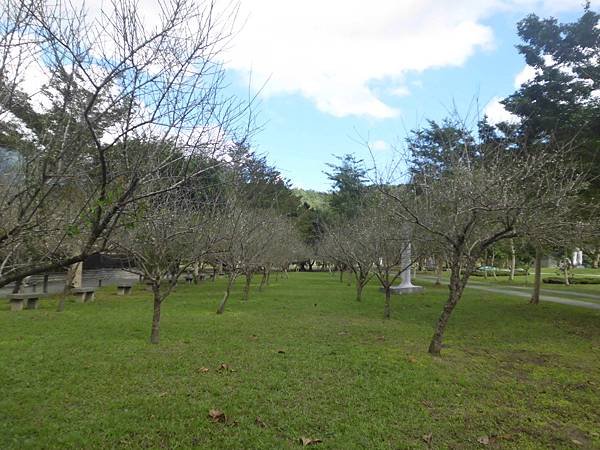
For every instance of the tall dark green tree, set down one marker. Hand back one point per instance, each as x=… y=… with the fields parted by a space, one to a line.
x=348 y=179
x=560 y=106
x=561 y=103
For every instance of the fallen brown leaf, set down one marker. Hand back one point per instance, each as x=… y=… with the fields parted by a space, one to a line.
x=483 y=440
x=427 y=438
x=281 y=351
x=223 y=367
x=203 y=369
x=258 y=421
x=381 y=338
x=412 y=359
x=217 y=415
x=309 y=441
x=576 y=442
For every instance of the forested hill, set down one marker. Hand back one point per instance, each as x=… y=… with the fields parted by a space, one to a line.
x=318 y=201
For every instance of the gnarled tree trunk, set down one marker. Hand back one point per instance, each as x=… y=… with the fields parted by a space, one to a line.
x=247 y=286
x=155 y=332
x=230 y=281
x=387 y=308
x=537 y=278
x=263 y=280
x=456 y=287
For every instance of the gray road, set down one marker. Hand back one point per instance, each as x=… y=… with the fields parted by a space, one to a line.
x=547 y=295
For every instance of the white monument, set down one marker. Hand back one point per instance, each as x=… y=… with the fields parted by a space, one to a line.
x=577 y=258
x=76 y=271
x=406 y=287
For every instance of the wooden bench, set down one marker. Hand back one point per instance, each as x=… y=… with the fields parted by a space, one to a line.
x=17 y=301
x=124 y=289
x=84 y=294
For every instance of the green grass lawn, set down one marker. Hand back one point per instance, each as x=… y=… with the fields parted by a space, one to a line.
x=304 y=359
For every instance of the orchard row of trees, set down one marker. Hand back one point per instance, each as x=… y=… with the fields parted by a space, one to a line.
x=458 y=193
x=117 y=135
x=131 y=145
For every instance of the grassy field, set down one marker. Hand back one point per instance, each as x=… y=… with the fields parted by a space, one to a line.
x=302 y=359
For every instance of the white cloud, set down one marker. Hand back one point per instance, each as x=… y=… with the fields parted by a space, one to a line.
x=527 y=74
x=496 y=112
x=400 y=91
x=332 y=51
x=380 y=145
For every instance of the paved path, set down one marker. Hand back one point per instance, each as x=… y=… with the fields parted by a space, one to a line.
x=518 y=291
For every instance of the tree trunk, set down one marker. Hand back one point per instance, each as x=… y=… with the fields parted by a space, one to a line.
x=155 y=333
x=341 y=274
x=263 y=280
x=537 y=278
x=438 y=271
x=247 y=286
x=456 y=287
x=513 y=257
x=388 y=301
x=196 y=272
x=360 y=283
x=18 y=285
x=230 y=281
x=596 y=260
x=45 y=283
x=567 y=273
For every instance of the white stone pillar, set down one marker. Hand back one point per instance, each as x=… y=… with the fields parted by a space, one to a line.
x=406 y=285
x=406 y=264
x=579 y=258
x=77 y=269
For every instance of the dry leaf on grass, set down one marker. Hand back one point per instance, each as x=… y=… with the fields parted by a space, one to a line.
x=217 y=415
x=258 y=421
x=309 y=441
x=203 y=369
x=225 y=368
x=427 y=438
x=281 y=351
x=484 y=440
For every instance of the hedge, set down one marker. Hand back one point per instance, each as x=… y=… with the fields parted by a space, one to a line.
x=580 y=280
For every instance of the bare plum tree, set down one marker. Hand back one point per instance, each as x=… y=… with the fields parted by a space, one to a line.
x=477 y=195
x=122 y=105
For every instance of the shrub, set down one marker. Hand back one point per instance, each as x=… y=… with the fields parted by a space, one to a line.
x=499 y=273
x=580 y=280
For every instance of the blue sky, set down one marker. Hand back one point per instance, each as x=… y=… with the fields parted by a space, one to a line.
x=355 y=71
